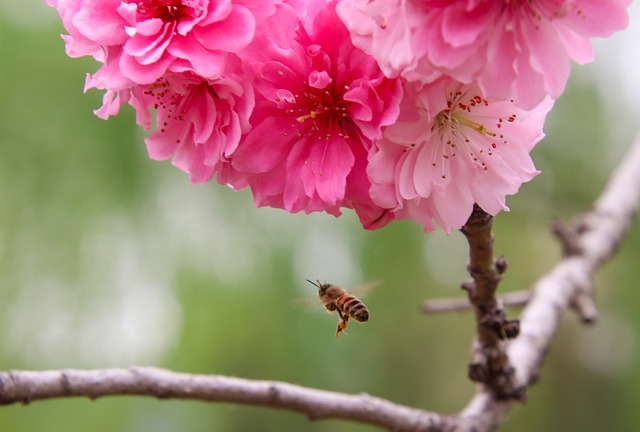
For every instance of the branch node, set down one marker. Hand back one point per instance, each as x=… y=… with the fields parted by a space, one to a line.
x=569 y=238
x=582 y=301
x=468 y=285
x=501 y=265
x=478 y=372
x=585 y=306
x=511 y=328
x=518 y=394
x=274 y=394
x=66 y=382
x=494 y=322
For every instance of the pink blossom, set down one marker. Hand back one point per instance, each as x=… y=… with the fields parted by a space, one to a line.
x=511 y=48
x=76 y=44
x=145 y=39
x=319 y=103
x=198 y=123
x=451 y=148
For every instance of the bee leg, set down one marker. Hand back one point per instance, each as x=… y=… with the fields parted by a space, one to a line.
x=342 y=325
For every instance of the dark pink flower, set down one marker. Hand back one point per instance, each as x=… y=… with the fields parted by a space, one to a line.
x=199 y=123
x=319 y=103
x=512 y=48
x=450 y=148
x=76 y=44
x=144 y=39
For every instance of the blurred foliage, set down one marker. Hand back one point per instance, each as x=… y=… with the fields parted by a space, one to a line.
x=109 y=259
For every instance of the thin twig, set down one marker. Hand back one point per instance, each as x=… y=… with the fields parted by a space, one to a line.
x=455 y=304
x=582 y=302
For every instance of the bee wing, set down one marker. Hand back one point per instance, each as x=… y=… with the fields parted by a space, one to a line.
x=362 y=290
x=307 y=303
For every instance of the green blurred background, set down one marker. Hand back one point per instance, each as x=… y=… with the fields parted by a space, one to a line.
x=108 y=259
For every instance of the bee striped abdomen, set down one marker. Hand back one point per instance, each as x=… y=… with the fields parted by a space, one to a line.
x=353 y=307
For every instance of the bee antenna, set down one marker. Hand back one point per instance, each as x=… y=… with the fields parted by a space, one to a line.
x=317 y=285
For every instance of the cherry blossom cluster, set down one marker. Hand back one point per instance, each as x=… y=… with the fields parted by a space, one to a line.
x=397 y=109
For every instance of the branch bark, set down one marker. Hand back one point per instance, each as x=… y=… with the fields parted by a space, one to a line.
x=28 y=386
x=489 y=362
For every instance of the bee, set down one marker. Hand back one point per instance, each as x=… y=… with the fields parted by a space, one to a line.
x=337 y=299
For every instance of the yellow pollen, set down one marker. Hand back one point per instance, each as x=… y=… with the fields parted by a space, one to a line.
x=301 y=119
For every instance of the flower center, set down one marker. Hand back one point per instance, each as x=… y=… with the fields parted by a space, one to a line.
x=166 y=10
x=456 y=114
x=316 y=111
x=320 y=105
x=471 y=126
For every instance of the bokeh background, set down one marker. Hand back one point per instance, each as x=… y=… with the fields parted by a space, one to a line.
x=108 y=259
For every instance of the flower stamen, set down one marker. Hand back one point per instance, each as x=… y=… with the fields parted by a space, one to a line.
x=460 y=119
x=166 y=10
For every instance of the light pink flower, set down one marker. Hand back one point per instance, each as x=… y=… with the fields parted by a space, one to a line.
x=145 y=39
x=511 y=48
x=451 y=148
x=198 y=123
x=320 y=102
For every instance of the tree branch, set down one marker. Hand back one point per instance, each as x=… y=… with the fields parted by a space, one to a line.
x=27 y=386
x=596 y=237
x=489 y=364
x=599 y=233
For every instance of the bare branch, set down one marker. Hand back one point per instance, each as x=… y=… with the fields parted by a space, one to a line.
x=455 y=304
x=597 y=237
x=26 y=386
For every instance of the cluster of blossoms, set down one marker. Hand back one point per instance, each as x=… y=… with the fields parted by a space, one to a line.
x=394 y=108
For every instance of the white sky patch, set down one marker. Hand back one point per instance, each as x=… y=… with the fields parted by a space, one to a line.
x=615 y=73
x=616 y=68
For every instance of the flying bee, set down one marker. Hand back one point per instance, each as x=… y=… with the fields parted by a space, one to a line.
x=337 y=299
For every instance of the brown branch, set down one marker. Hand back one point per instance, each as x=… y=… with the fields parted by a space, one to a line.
x=489 y=364
x=27 y=386
x=596 y=238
